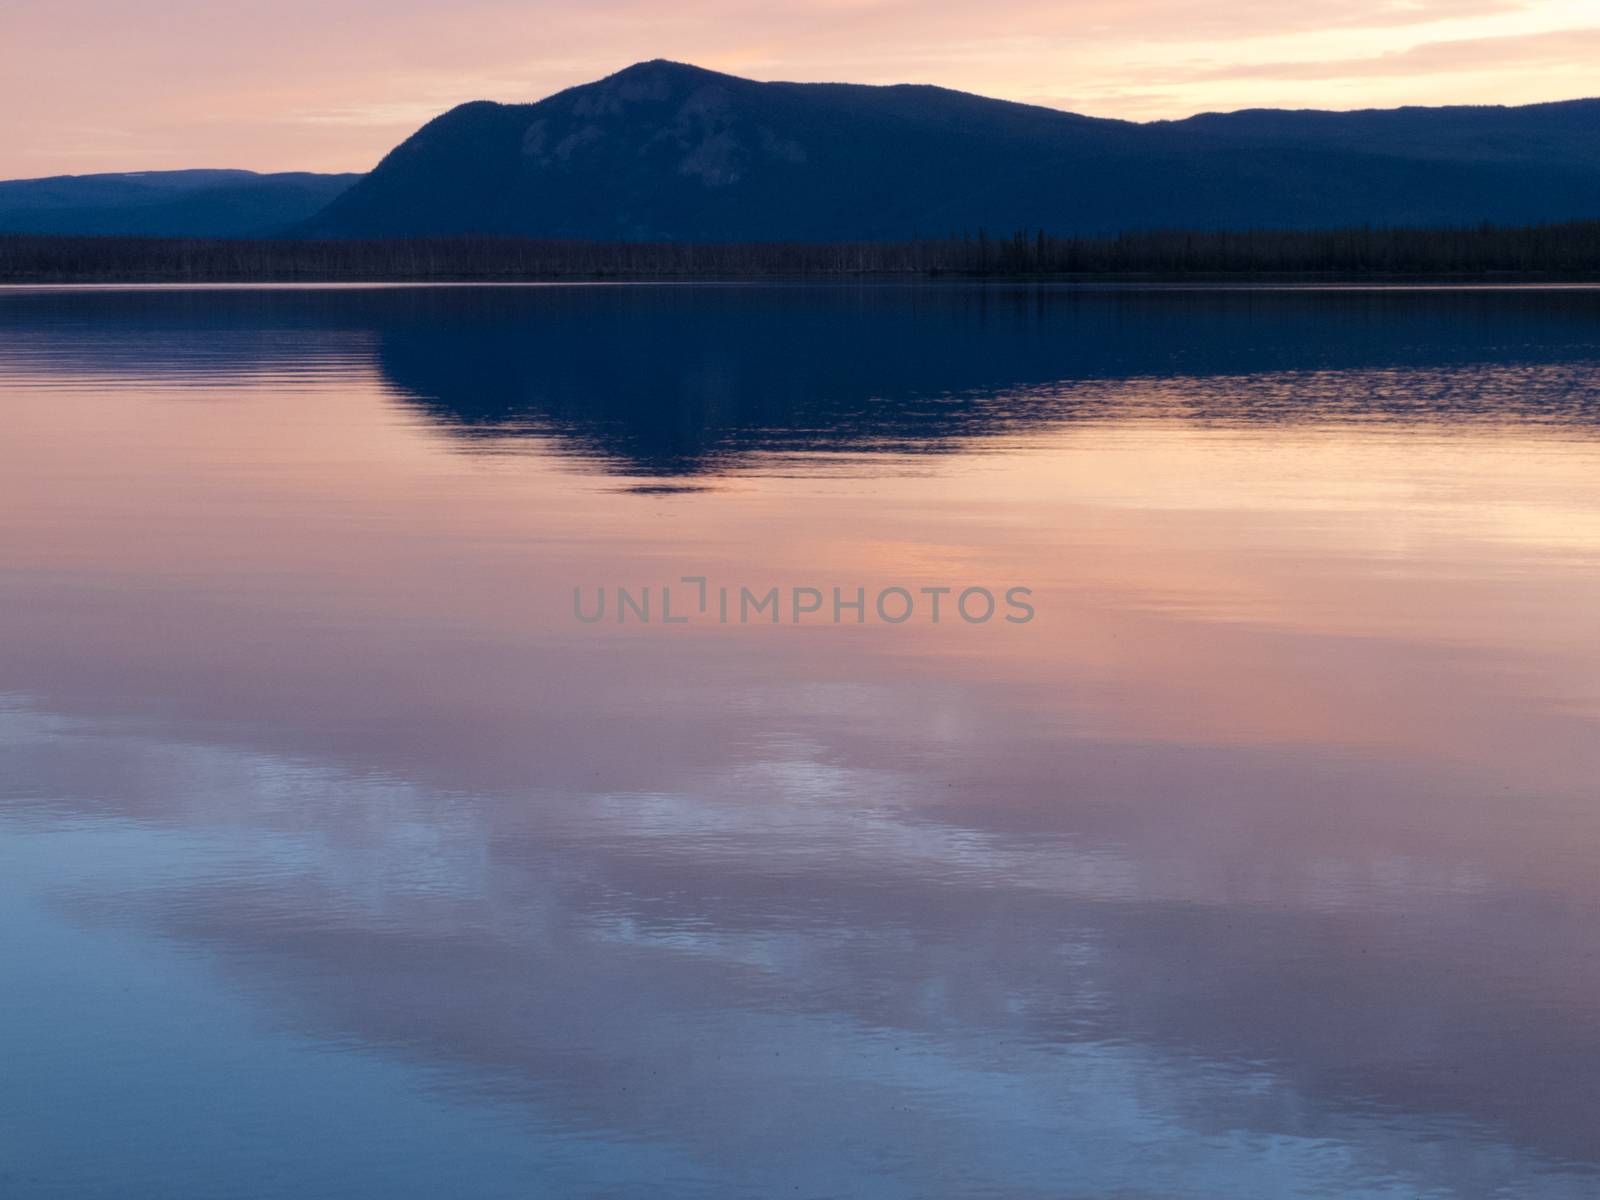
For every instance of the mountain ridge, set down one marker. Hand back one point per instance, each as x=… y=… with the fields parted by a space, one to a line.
x=195 y=202
x=666 y=151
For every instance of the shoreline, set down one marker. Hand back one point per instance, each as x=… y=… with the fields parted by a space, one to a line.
x=1242 y=281
x=1556 y=254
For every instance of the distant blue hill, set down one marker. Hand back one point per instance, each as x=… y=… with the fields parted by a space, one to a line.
x=664 y=151
x=166 y=203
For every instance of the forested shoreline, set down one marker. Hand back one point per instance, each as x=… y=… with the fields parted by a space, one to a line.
x=1566 y=251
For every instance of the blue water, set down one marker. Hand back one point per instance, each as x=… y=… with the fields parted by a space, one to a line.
x=339 y=859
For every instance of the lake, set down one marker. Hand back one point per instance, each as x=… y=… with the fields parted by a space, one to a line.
x=1248 y=852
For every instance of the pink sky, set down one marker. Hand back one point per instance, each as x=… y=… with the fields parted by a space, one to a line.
x=329 y=85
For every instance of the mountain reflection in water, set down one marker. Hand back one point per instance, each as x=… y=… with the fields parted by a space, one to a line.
x=339 y=859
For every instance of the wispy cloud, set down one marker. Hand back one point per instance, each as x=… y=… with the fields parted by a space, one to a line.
x=1561 y=47
x=333 y=84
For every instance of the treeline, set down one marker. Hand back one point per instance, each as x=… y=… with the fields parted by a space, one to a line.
x=1567 y=251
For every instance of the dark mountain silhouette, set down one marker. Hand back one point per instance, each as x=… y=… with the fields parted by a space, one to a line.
x=715 y=378
x=166 y=203
x=670 y=152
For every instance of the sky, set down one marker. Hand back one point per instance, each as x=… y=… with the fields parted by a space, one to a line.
x=331 y=85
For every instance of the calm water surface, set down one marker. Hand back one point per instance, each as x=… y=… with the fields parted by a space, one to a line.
x=338 y=860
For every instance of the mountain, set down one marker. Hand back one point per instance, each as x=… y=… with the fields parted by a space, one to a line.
x=166 y=203
x=668 y=152
x=665 y=151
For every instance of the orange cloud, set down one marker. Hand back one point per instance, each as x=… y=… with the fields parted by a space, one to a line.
x=97 y=85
